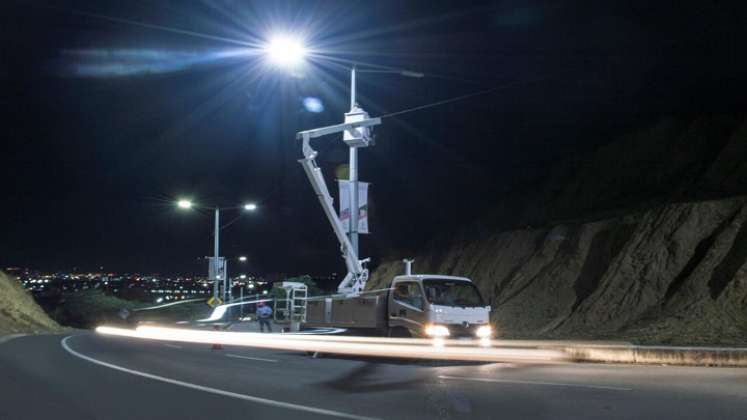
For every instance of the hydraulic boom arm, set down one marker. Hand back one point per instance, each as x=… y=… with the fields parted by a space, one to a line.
x=357 y=275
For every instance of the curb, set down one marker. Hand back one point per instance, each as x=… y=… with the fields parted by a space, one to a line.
x=9 y=337
x=685 y=356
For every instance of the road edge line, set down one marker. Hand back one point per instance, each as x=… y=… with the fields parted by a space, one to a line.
x=541 y=383
x=259 y=359
x=642 y=355
x=258 y=400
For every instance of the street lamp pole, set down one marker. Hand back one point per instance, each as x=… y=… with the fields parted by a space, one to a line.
x=352 y=87
x=286 y=51
x=353 y=173
x=217 y=267
x=356 y=113
x=216 y=257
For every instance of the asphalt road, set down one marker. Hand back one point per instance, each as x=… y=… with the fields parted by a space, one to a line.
x=95 y=377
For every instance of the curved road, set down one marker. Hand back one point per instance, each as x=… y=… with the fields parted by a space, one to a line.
x=87 y=376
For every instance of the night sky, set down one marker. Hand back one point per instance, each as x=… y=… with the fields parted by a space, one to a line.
x=108 y=116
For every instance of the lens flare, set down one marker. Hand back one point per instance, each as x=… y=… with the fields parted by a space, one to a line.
x=312 y=104
x=285 y=51
x=108 y=63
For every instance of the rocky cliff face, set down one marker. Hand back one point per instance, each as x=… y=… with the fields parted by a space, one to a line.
x=671 y=271
x=674 y=274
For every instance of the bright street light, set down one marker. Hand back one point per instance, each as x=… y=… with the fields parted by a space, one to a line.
x=184 y=204
x=285 y=50
x=250 y=207
x=242 y=259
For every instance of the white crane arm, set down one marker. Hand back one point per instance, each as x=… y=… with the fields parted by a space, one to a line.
x=357 y=276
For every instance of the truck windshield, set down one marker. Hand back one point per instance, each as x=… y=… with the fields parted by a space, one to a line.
x=452 y=293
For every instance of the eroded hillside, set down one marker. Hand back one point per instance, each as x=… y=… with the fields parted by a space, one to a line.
x=644 y=239
x=675 y=274
x=19 y=313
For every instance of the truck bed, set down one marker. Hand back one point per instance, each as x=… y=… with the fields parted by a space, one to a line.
x=365 y=311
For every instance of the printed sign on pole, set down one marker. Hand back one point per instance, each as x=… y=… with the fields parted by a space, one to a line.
x=217 y=268
x=362 y=205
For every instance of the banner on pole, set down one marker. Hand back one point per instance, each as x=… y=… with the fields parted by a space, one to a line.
x=218 y=268
x=362 y=205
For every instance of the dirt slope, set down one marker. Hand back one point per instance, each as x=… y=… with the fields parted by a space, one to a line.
x=674 y=274
x=18 y=311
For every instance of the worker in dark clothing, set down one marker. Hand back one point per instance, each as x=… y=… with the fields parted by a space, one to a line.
x=264 y=314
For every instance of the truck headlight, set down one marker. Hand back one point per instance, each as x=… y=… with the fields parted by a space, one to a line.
x=436 y=331
x=484 y=331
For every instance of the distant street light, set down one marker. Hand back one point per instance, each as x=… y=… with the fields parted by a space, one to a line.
x=217 y=267
x=243 y=276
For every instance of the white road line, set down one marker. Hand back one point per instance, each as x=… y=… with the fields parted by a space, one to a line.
x=511 y=381
x=173 y=346
x=260 y=359
x=321 y=331
x=258 y=400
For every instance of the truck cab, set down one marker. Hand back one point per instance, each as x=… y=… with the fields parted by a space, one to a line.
x=428 y=305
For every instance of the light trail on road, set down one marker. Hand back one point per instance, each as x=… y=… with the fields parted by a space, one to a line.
x=166 y=305
x=350 y=346
x=220 y=310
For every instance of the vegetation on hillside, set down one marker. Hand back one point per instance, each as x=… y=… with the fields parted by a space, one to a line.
x=91 y=308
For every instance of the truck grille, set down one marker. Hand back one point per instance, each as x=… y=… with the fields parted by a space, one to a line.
x=462 y=330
